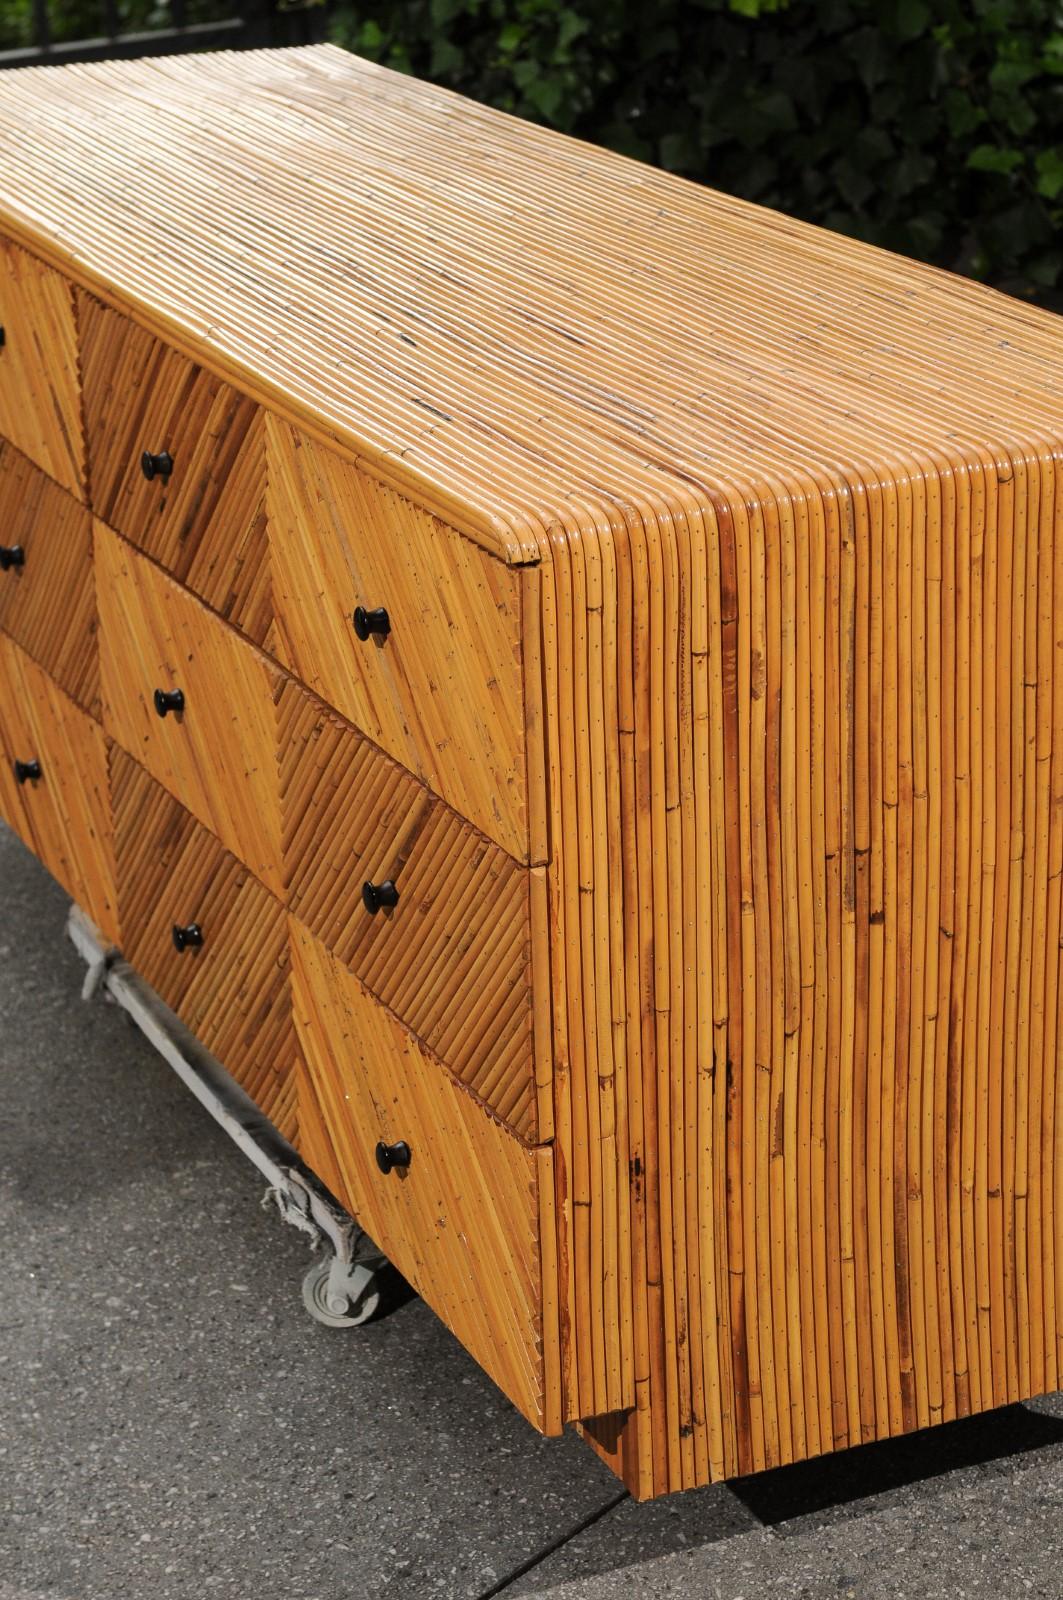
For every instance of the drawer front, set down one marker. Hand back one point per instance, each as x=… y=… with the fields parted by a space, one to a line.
x=442 y=691
x=451 y=957
x=63 y=814
x=204 y=520
x=40 y=397
x=462 y=1220
x=218 y=754
x=47 y=594
x=233 y=989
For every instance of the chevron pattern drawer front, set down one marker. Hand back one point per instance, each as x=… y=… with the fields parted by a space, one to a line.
x=441 y=688
x=177 y=464
x=553 y=675
x=452 y=956
x=47 y=588
x=465 y=1227
x=192 y=700
x=54 y=788
x=209 y=938
x=40 y=400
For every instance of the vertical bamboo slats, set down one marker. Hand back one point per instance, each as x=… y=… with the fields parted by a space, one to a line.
x=713 y=741
x=880 y=1104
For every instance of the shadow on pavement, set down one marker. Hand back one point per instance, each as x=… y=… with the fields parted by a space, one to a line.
x=834 y=1484
x=913 y=1473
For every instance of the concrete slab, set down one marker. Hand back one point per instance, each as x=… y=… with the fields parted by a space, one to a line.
x=993 y=1532
x=964 y=1510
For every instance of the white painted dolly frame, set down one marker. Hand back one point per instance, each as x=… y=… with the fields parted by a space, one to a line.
x=343 y=1288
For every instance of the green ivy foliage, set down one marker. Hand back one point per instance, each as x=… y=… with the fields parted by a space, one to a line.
x=932 y=129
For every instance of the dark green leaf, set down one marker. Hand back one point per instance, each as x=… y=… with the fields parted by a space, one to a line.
x=992 y=158
x=1049 y=167
x=446 y=58
x=913 y=17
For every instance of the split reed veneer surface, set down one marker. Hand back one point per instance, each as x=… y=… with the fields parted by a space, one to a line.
x=40 y=401
x=465 y=1229
x=217 y=754
x=233 y=991
x=53 y=784
x=445 y=697
x=47 y=592
x=453 y=957
x=206 y=523
x=712 y=738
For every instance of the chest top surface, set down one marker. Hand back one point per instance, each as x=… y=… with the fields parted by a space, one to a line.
x=533 y=335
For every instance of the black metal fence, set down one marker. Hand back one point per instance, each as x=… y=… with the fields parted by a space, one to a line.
x=39 y=32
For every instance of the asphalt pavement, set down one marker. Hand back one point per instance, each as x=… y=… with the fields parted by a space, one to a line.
x=173 y=1425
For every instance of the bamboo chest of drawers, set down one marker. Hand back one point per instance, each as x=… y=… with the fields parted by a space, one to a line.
x=559 y=669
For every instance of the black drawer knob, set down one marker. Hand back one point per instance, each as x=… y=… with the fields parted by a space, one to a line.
x=11 y=555
x=390 y=1156
x=190 y=937
x=3 y=336
x=375 y=895
x=367 y=622
x=167 y=700
x=156 y=464
x=27 y=771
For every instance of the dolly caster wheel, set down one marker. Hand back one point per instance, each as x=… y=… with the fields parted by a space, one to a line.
x=355 y=1301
